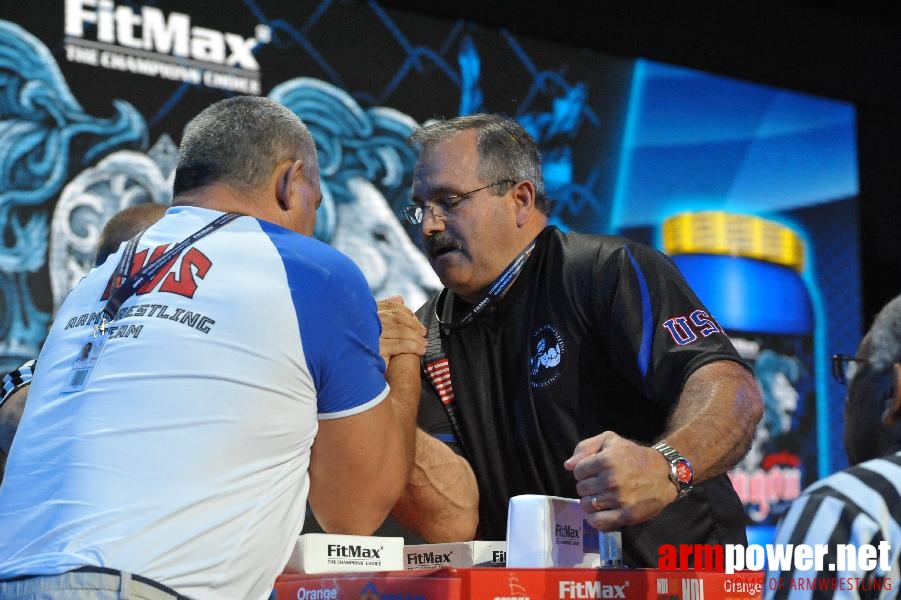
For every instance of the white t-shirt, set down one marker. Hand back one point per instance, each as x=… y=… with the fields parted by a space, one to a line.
x=185 y=457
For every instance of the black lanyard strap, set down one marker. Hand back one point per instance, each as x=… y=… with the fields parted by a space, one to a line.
x=129 y=285
x=495 y=291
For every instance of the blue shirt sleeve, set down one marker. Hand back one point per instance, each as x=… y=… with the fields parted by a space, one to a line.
x=338 y=320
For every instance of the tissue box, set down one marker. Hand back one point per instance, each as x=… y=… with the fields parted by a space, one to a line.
x=549 y=531
x=334 y=553
x=458 y=554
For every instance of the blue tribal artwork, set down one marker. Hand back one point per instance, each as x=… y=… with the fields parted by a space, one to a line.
x=45 y=136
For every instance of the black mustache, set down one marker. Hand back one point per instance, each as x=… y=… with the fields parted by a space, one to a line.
x=441 y=241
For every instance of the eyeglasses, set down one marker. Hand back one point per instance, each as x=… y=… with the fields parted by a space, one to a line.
x=844 y=367
x=440 y=208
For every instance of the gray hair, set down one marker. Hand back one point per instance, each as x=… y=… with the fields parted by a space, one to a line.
x=506 y=150
x=885 y=337
x=239 y=141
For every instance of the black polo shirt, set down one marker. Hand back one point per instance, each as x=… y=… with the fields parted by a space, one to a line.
x=597 y=333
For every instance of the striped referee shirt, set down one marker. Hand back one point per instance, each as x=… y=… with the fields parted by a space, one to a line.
x=858 y=505
x=16 y=379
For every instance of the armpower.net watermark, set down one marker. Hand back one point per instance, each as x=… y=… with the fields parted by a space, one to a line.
x=816 y=558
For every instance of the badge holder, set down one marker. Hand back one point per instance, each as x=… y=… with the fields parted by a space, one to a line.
x=89 y=353
x=84 y=363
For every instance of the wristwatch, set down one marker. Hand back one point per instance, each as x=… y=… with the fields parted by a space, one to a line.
x=680 y=471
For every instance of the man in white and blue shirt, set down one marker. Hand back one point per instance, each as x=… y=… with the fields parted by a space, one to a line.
x=169 y=430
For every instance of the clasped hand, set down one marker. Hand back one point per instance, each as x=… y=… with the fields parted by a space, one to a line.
x=402 y=333
x=619 y=482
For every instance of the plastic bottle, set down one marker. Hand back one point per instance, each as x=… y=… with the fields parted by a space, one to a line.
x=747 y=272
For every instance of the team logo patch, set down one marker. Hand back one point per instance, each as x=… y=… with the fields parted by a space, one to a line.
x=546 y=356
x=687 y=330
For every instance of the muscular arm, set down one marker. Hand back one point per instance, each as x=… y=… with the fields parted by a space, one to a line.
x=714 y=421
x=712 y=425
x=360 y=464
x=441 y=499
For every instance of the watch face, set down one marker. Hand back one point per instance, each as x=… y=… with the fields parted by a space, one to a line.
x=683 y=472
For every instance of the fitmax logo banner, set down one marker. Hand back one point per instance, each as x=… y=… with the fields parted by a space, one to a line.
x=152 y=43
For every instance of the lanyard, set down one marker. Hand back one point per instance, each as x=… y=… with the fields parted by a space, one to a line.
x=130 y=285
x=495 y=291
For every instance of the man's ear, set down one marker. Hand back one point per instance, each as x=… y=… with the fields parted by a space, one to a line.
x=524 y=196
x=892 y=414
x=287 y=175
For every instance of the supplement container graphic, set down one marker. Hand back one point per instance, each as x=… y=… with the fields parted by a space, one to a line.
x=747 y=271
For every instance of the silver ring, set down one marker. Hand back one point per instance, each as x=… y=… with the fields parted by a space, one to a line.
x=594 y=503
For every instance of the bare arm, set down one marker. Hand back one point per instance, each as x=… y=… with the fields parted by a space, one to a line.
x=712 y=426
x=360 y=464
x=441 y=500
x=714 y=422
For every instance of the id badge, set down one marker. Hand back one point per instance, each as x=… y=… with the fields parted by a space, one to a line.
x=84 y=363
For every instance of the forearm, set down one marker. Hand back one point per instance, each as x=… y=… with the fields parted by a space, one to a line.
x=402 y=375
x=360 y=464
x=715 y=419
x=401 y=344
x=398 y=443
x=621 y=482
x=441 y=499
